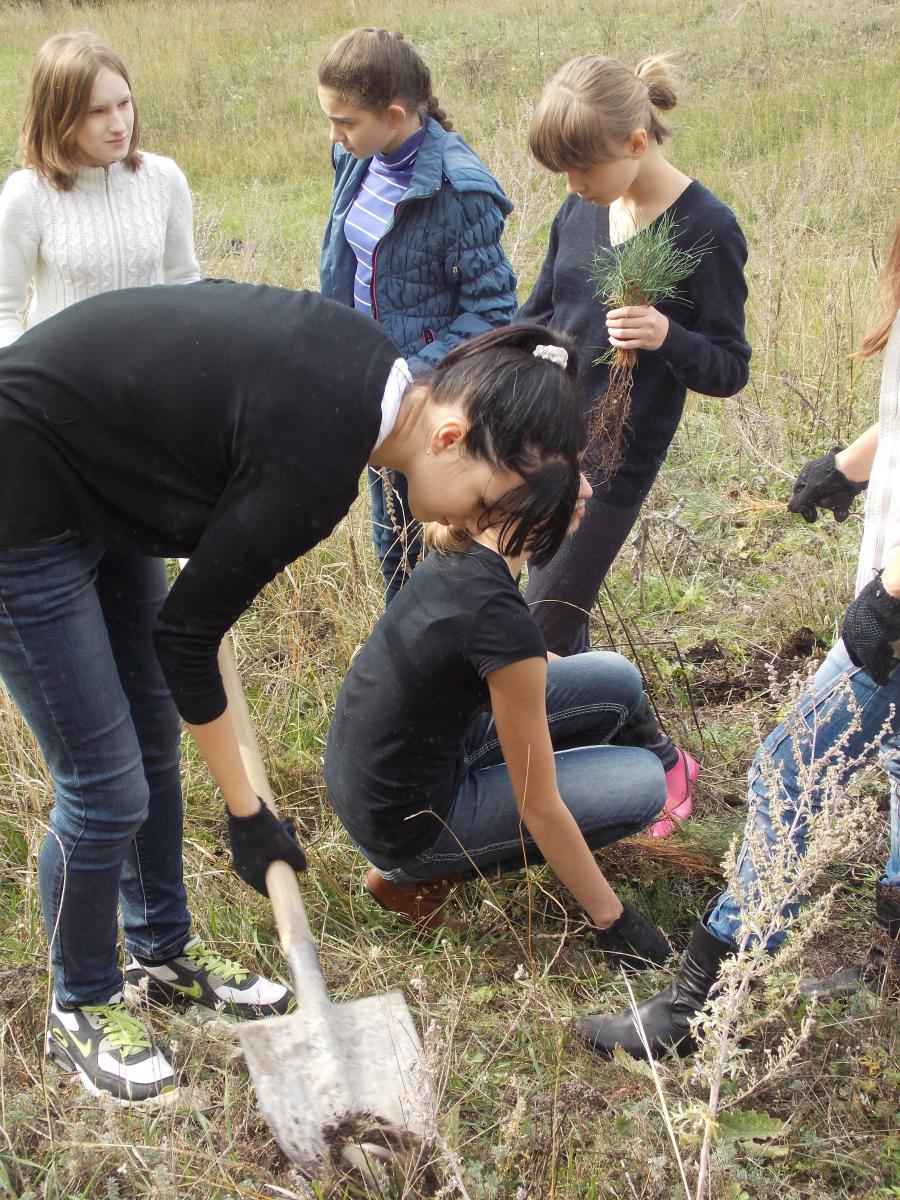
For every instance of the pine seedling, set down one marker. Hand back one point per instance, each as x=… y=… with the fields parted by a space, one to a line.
x=644 y=269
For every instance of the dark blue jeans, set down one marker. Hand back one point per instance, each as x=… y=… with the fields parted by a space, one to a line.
x=611 y=790
x=76 y=656
x=842 y=707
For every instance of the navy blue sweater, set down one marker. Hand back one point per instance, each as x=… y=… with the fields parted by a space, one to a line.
x=705 y=349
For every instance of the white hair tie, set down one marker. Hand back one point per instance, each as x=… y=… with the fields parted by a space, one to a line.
x=554 y=354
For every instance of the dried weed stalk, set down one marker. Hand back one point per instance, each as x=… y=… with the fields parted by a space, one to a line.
x=755 y=988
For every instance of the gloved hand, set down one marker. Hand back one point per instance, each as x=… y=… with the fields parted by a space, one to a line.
x=258 y=841
x=631 y=941
x=821 y=484
x=871 y=623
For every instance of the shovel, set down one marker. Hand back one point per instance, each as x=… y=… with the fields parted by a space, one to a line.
x=324 y=1066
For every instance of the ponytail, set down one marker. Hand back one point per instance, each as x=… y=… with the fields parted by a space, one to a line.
x=445 y=539
x=592 y=106
x=372 y=68
x=657 y=74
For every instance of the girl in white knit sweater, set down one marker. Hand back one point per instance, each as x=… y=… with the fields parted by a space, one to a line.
x=92 y=213
x=89 y=212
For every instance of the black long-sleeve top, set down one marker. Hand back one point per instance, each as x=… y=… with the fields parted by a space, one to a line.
x=705 y=348
x=216 y=420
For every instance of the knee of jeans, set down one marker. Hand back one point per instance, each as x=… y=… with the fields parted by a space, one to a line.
x=107 y=807
x=645 y=797
x=621 y=678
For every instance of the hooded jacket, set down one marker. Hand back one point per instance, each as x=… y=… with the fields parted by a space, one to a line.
x=440 y=275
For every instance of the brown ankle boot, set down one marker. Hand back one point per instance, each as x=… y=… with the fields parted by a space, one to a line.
x=421 y=903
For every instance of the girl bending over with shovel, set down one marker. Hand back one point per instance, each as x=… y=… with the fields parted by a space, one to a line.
x=454 y=748
x=91 y=212
x=228 y=424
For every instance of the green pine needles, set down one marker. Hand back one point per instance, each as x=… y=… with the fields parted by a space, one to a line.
x=645 y=269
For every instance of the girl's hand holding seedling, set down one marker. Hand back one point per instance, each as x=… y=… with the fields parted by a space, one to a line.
x=637 y=327
x=634 y=276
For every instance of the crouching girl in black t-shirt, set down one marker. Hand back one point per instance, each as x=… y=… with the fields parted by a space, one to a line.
x=454 y=748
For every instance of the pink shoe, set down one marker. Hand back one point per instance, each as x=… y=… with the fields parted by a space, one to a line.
x=680 y=780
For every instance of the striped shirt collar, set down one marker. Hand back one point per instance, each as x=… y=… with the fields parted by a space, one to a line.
x=404 y=156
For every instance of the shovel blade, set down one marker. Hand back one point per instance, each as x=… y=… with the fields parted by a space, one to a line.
x=315 y=1069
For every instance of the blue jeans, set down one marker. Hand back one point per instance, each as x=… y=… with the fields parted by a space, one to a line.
x=400 y=549
x=826 y=716
x=77 y=658
x=612 y=791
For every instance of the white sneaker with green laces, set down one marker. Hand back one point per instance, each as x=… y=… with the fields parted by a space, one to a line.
x=203 y=977
x=111 y=1052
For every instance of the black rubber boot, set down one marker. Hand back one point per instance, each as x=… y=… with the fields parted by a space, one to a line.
x=665 y=1017
x=883 y=959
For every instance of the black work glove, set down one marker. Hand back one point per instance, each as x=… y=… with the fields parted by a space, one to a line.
x=631 y=941
x=821 y=484
x=258 y=841
x=871 y=623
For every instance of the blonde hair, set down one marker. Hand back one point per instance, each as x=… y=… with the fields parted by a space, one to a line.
x=445 y=539
x=887 y=299
x=593 y=104
x=59 y=94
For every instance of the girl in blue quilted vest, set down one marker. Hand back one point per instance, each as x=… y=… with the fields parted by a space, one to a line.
x=413 y=236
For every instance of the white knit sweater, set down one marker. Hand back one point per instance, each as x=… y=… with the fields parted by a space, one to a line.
x=117 y=228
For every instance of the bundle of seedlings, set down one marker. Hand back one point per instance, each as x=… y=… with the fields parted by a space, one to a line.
x=644 y=269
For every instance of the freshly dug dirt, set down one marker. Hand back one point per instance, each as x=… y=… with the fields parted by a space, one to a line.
x=719 y=681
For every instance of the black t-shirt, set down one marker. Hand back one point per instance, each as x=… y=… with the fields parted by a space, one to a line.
x=224 y=421
x=705 y=349
x=395 y=744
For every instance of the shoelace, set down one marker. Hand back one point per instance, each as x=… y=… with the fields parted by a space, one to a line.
x=124 y=1031
x=223 y=967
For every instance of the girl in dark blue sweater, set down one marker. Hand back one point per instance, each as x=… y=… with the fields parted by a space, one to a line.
x=598 y=123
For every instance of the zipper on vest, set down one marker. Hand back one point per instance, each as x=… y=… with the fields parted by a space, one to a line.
x=118 y=255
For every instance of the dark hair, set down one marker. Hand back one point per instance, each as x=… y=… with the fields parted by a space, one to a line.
x=524 y=415
x=371 y=68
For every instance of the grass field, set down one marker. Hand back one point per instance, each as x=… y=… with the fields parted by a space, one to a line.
x=789 y=113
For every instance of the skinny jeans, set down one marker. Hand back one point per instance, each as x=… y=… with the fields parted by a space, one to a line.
x=611 y=790
x=842 y=706
x=77 y=658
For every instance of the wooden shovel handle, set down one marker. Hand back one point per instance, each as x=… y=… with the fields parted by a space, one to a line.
x=287 y=903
